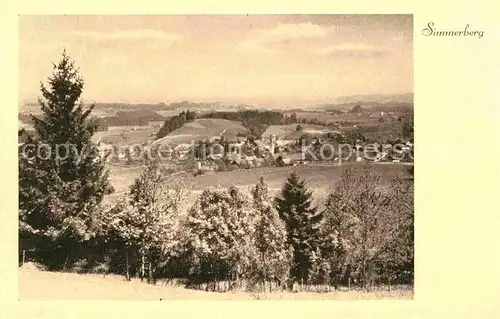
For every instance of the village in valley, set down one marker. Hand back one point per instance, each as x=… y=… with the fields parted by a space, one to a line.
x=279 y=145
x=219 y=139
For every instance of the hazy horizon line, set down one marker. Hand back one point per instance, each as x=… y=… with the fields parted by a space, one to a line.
x=235 y=101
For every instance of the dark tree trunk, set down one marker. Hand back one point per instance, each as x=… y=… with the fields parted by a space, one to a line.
x=127 y=266
x=143 y=266
x=150 y=272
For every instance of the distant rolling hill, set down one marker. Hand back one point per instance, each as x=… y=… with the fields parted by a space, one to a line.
x=374 y=102
x=377 y=98
x=203 y=129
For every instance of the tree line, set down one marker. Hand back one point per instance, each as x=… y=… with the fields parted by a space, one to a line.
x=251 y=239
x=175 y=122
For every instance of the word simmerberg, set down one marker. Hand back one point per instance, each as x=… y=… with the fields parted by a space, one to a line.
x=430 y=31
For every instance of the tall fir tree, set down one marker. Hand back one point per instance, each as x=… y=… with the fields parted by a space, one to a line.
x=302 y=222
x=62 y=180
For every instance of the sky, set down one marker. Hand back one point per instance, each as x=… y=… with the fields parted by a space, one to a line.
x=236 y=58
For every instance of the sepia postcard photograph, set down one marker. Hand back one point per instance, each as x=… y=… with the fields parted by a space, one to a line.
x=216 y=157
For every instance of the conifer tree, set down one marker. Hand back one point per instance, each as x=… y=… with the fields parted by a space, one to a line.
x=61 y=179
x=302 y=222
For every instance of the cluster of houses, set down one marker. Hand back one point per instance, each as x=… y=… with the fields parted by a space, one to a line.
x=234 y=151
x=239 y=152
x=385 y=153
x=242 y=153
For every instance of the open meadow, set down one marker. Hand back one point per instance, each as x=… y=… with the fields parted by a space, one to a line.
x=202 y=129
x=127 y=135
x=319 y=178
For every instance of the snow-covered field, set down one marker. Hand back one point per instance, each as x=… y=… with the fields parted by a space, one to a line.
x=35 y=284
